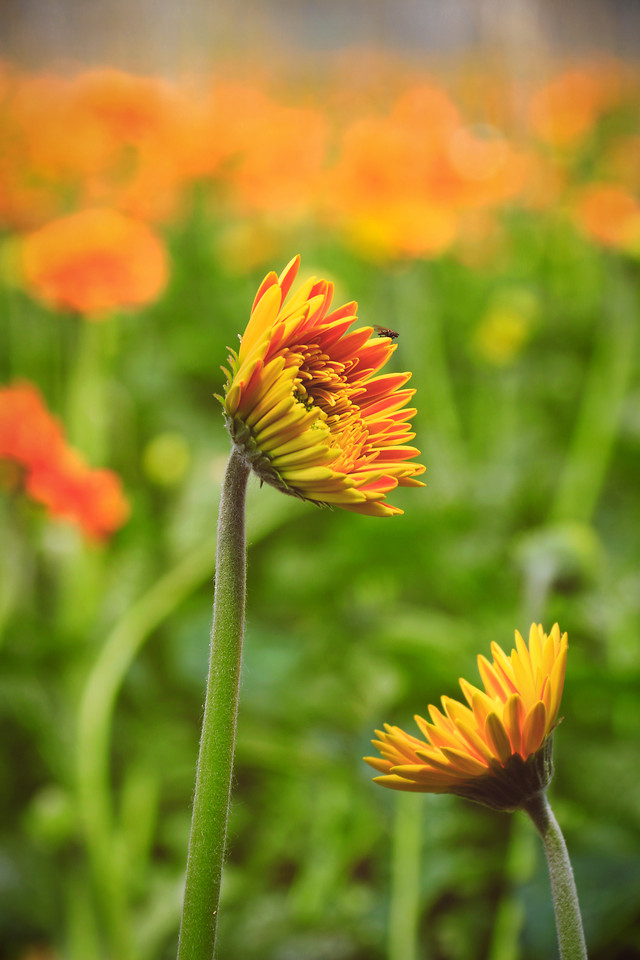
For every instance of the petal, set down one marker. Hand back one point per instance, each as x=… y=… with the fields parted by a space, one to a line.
x=397 y=783
x=475 y=741
x=513 y=717
x=556 y=682
x=493 y=682
x=378 y=763
x=262 y=317
x=533 y=729
x=497 y=738
x=464 y=763
x=288 y=275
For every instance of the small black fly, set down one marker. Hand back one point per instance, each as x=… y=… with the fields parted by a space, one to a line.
x=385 y=332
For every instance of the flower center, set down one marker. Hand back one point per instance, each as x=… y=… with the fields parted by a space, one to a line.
x=323 y=383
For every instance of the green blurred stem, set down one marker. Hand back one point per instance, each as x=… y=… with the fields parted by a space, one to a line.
x=510 y=912
x=97 y=702
x=563 y=888
x=604 y=394
x=80 y=572
x=405 y=878
x=431 y=367
x=87 y=402
x=217 y=742
x=94 y=727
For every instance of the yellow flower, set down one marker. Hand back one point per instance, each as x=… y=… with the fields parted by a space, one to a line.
x=496 y=750
x=303 y=403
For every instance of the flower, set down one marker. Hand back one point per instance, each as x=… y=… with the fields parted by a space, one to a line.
x=565 y=111
x=304 y=406
x=53 y=473
x=496 y=750
x=94 y=261
x=29 y=435
x=610 y=215
x=92 y=499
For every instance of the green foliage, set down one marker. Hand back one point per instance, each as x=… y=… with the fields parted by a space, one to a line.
x=530 y=512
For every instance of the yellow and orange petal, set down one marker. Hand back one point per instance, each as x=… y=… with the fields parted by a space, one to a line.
x=94 y=261
x=307 y=406
x=497 y=745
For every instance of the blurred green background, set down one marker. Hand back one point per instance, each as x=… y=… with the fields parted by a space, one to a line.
x=524 y=354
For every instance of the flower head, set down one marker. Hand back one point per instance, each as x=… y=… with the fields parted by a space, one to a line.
x=91 y=499
x=496 y=750
x=94 y=261
x=304 y=405
x=53 y=474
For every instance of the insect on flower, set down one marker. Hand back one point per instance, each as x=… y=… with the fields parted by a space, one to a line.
x=306 y=406
x=385 y=332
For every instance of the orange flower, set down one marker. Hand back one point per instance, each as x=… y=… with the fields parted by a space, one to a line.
x=403 y=180
x=565 y=111
x=380 y=190
x=610 y=215
x=304 y=406
x=29 y=435
x=94 y=261
x=70 y=490
x=496 y=750
x=279 y=171
x=130 y=108
x=55 y=475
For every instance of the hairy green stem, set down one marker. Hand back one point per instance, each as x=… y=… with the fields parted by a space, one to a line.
x=217 y=742
x=98 y=700
x=404 y=907
x=563 y=888
x=94 y=726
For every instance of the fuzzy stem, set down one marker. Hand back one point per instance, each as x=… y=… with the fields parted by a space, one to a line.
x=563 y=888
x=217 y=742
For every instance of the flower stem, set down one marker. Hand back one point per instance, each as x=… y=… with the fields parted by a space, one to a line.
x=563 y=888
x=217 y=742
x=404 y=908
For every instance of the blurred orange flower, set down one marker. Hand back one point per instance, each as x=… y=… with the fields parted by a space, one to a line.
x=611 y=215
x=130 y=108
x=280 y=171
x=29 y=435
x=564 y=112
x=94 y=261
x=70 y=490
x=402 y=181
x=54 y=474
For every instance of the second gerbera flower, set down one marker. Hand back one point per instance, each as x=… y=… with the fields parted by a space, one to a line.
x=306 y=408
x=495 y=750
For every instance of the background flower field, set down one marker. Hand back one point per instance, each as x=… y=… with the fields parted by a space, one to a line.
x=495 y=225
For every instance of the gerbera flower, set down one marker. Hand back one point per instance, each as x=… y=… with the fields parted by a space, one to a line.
x=53 y=474
x=495 y=750
x=304 y=405
x=94 y=261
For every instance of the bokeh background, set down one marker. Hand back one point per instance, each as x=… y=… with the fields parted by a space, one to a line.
x=470 y=173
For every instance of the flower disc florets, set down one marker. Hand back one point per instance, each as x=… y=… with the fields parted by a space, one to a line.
x=497 y=749
x=304 y=406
